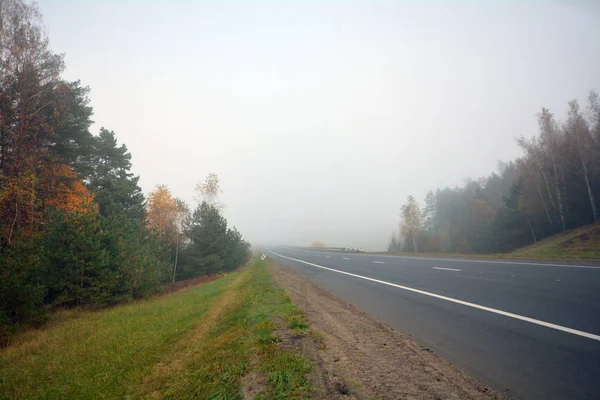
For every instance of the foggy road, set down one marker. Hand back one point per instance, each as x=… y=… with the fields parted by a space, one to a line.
x=530 y=330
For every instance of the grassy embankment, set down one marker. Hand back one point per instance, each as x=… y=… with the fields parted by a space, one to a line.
x=213 y=341
x=580 y=243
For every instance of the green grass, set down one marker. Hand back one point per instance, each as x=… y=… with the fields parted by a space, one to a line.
x=580 y=243
x=198 y=343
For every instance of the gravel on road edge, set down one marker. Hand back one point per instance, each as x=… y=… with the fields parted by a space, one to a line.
x=361 y=357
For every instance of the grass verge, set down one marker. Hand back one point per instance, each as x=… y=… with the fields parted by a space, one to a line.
x=215 y=341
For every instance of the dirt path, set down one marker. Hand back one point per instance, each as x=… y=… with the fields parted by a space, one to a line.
x=186 y=349
x=364 y=358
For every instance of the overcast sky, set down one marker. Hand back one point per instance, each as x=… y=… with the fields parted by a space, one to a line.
x=322 y=117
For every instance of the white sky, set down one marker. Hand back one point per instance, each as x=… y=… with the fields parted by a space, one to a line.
x=322 y=117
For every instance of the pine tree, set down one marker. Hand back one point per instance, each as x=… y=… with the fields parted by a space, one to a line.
x=115 y=187
x=208 y=240
x=76 y=260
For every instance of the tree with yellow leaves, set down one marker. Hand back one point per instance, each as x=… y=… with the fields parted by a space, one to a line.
x=166 y=216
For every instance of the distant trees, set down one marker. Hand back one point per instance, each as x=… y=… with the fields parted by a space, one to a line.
x=213 y=247
x=395 y=244
x=553 y=186
x=74 y=226
x=411 y=225
x=209 y=191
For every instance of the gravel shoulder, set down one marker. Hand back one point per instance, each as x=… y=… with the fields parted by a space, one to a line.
x=360 y=357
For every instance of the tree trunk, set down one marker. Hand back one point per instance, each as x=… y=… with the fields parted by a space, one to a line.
x=560 y=207
x=176 y=256
x=587 y=181
x=547 y=184
x=12 y=227
x=558 y=193
x=591 y=196
x=531 y=228
x=539 y=189
x=415 y=243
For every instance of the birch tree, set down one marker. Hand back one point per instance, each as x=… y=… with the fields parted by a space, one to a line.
x=411 y=224
x=209 y=191
x=578 y=128
x=182 y=219
x=550 y=142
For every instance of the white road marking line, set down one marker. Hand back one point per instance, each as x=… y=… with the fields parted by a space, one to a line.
x=448 y=269
x=377 y=262
x=484 y=261
x=327 y=256
x=516 y=262
x=452 y=300
x=345 y=258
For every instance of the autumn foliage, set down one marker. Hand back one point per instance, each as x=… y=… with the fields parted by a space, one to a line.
x=161 y=211
x=56 y=247
x=64 y=190
x=75 y=229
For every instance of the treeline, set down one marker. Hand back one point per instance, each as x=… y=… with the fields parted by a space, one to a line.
x=554 y=186
x=197 y=243
x=75 y=228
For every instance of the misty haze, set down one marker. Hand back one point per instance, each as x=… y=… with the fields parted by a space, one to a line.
x=299 y=199
x=320 y=119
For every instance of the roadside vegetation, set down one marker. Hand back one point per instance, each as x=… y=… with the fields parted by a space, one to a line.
x=217 y=340
x=75 y=228
x=553 y=188
x=582 y=243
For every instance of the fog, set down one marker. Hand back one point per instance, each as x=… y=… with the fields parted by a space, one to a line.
x=320 y=119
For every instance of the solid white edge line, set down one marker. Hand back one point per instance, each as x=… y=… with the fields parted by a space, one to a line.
x=450 y=299
x=377 y=262
x=448 y=269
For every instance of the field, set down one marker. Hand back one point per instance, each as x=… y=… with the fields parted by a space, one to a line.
x=213 y=341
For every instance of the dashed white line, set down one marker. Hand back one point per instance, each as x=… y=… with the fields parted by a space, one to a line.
x=448 y=269
x=452 y=300
x=484 y=261
x=345 y=258
x=327 y=256
x=377 y=262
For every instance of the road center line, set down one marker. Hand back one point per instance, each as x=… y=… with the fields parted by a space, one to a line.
x=345 y=258
x=448 y=269
x=452 y=300
x=377 y=262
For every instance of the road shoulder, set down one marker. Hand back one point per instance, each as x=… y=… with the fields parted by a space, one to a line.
x=361 y=357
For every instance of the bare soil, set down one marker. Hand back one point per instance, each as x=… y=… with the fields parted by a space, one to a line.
x=359 y=357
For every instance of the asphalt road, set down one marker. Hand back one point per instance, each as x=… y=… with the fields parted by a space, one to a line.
x=530 y=330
